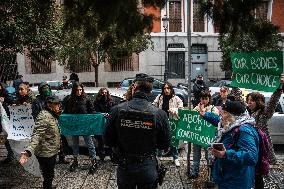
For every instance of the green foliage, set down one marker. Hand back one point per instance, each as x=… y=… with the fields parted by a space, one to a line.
x=27 y=24
x=239 y=30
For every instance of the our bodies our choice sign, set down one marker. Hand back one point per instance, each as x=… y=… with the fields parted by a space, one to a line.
x=193 y=128
x=257 y=70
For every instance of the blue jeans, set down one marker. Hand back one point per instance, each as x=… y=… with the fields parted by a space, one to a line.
x=88 y=141
x=137 y=174
x=196 y=158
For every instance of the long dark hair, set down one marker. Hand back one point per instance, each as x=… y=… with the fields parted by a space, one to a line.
x=74 y=88
x=100 y=94
x=258 y=99
x=171 y=88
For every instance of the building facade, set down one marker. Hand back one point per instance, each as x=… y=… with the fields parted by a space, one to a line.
x=205 y=59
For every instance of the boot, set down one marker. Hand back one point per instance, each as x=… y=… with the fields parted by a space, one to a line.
x=73 y=165
x=93 y=167
x=62 y=160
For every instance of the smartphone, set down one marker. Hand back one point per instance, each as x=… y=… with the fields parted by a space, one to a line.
x=218 y=146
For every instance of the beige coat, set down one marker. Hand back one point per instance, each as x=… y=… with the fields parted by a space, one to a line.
x=174 y=104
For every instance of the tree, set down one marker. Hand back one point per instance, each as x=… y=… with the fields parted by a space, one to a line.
x=240 y=30
x=93 y=30
x=27 y=24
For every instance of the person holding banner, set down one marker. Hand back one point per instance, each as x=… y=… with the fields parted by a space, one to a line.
x=103 y=104
x=24 y=95
x=262 y=113
x=136 y=129
x=170 y=103
x=202 y=107
x=5 y=102
x=78 y=103
x=234 y=165
x=45 y=141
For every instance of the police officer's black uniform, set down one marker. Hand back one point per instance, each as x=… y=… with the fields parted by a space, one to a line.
x=137 y=128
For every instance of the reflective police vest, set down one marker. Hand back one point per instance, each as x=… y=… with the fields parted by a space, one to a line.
x=137 y=130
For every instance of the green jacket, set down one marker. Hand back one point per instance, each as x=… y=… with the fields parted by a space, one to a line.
x=45 y=140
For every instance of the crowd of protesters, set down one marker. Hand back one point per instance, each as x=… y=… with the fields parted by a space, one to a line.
x=231 y=167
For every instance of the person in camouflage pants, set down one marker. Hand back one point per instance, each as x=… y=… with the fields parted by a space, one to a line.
x=45 y=141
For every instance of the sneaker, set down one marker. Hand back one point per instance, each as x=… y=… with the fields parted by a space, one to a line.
x=177 y=163
x=73 y=166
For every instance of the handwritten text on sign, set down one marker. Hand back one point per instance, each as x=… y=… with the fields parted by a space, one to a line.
x=193 y=128
x=81 y=124
x=258 y=70
x=22 y=122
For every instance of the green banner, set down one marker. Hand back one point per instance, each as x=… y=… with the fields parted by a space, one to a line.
x=173 y=124
x=258 y=70
x=193 y=128
x=81 y=124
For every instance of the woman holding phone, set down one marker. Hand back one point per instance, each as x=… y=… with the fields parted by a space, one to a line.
x=234 y=165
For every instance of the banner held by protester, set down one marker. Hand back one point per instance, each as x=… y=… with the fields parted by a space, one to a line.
x=173 y=124
x=22 y=122
x=193 y=128
x=257 y=70
x=81 y=124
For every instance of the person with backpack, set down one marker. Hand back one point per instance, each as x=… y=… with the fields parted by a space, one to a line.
x=237 y=157
x=262 y=113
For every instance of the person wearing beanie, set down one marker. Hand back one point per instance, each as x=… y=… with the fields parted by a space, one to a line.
x=45 y=141
x=234 y=165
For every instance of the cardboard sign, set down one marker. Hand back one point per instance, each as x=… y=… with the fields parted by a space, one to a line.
x=21 y=122
x=81 y=124
x=258 y=70
x=193 y=128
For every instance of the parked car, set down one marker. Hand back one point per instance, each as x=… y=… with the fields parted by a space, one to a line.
x=54 y=86
x=275 y=124
x=157 y=88
x=215 y=88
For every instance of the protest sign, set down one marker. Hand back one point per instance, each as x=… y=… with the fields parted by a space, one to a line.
x=193 y=128
x=81 y=124
x=258 y=70
x=173 y=125
x=22 y=122
x=5 y=122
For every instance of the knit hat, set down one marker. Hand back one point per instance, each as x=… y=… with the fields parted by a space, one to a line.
x=143 y=77
x=53 y=99
x=234 y=107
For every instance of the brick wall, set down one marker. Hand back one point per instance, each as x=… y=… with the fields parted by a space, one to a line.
x=278 y=14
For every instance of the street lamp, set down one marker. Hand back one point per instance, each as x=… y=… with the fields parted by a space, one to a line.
x=165 y=20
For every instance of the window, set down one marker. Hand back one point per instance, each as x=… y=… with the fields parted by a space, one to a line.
x=176 y=65
x=40 y=62
x=261 y=11
x=175 y=16
x=198 y=23
x=81 y=68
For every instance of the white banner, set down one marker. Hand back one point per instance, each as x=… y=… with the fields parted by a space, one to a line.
x=22 y=122
x=5 y=122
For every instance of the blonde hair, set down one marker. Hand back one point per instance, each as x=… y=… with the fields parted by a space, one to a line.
x=226 y=124
x=25 y=86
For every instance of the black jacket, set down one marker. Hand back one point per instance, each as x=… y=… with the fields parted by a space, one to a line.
x=78 y=105
x=131 y=140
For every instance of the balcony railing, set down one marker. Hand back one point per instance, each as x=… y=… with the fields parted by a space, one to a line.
x=39 y=63
x=123 y=64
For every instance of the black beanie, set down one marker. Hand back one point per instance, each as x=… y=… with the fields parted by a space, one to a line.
x=234 y=107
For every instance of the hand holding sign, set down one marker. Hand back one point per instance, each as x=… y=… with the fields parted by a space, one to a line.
x=24 y=158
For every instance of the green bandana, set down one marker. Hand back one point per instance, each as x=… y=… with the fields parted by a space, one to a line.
x=47 y=92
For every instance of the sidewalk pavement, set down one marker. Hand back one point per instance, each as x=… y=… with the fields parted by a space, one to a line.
x=13 y=176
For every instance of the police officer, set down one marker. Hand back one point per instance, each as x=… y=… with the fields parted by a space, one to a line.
x=136 y=129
